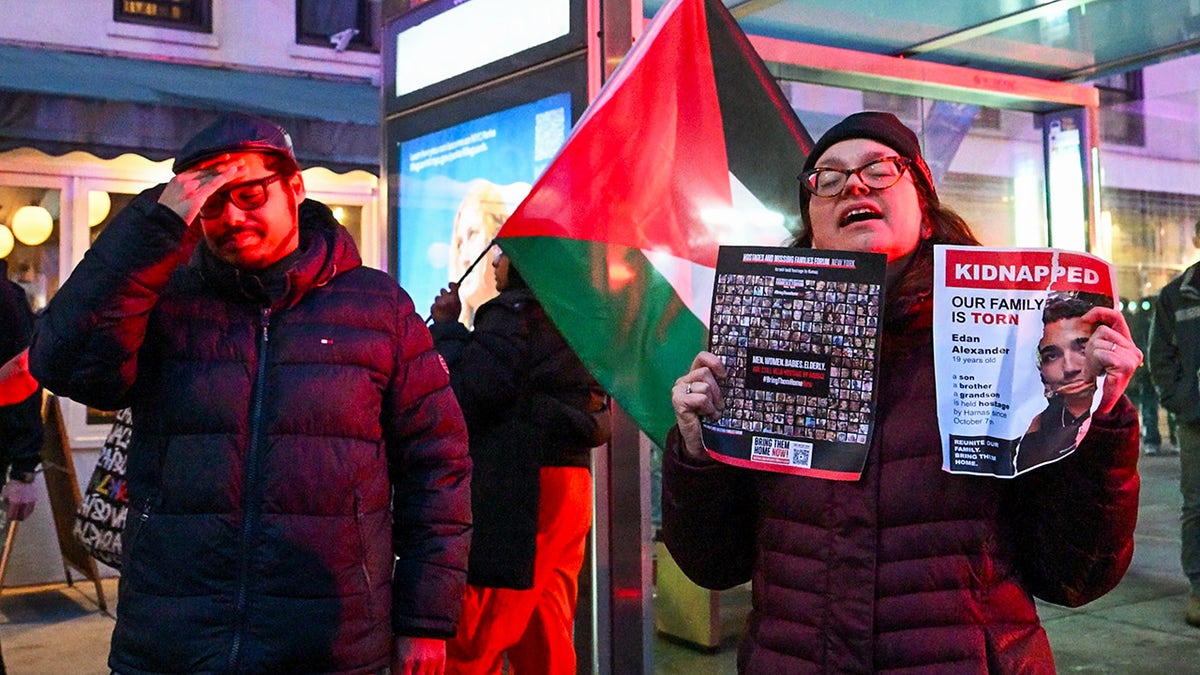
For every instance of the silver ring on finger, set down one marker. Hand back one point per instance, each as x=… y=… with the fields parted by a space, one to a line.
x=688 y=389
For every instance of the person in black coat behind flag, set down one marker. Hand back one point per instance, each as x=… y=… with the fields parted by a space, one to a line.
x=534 y=413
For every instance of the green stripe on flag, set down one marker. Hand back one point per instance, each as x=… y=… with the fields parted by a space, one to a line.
x=619 y=315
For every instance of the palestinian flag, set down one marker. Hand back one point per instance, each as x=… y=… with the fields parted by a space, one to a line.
x=691 y=144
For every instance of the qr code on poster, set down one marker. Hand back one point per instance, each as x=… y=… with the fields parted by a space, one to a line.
x=781 y=451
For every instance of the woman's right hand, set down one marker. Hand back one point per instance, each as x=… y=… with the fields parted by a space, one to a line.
x=446 y=306
x=697 y=395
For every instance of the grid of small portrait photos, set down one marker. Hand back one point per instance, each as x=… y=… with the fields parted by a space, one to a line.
x=836 y=322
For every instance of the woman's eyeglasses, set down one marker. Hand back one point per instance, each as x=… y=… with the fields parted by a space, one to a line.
x=245 y=196
x=880 y=174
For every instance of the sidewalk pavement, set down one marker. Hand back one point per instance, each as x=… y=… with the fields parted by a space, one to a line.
x=1136 y=629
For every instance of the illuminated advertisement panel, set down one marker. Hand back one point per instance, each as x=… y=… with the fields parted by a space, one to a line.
x=460 y=167
x=445 y=46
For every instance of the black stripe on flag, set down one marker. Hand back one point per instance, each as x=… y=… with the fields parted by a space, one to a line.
x=764 y=139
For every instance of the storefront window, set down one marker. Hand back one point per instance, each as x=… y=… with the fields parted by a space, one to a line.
x=1150 y=191
x=1121 y=115
x=351 y=218
x=1152 y=236
x=190 y=15
x=102 y=207
x=30 y=217
x=340 y=24
x=99 y=219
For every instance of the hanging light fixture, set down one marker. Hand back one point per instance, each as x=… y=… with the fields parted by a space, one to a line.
x=6 y=241
x=32 y=225
x=99 y=204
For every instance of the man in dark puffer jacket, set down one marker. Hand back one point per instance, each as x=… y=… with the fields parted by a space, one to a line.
x=298 y=475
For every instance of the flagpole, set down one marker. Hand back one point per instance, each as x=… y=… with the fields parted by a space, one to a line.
x=468 y=271
x=476 y=261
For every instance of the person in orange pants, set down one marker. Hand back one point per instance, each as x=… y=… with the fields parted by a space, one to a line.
x=533 y=415
x=534 y=626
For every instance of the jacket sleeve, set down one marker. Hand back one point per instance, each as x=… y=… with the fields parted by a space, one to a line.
x=22 y=431
x=709 y=517
x=580 y=419
x=430 y=472
x=21 y=422
x=1074 y=519
x=87 y=340
x=1165 y=360
x=450 y=338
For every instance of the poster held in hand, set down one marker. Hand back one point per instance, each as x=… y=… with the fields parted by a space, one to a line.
x=1014 y=392
x=798 y=331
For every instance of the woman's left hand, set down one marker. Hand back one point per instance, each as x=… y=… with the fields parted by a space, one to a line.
x=1111 y=351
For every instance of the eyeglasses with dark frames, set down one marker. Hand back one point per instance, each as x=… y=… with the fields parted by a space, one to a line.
x=246 y=196
x=879 y=174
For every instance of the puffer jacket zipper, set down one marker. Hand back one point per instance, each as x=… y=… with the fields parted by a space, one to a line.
x=251 y=502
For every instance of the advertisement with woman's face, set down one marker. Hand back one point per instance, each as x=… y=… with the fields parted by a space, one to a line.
x=458 y=186
x=482 y=211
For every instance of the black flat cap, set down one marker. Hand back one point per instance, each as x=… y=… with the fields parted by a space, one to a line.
x=236 y=132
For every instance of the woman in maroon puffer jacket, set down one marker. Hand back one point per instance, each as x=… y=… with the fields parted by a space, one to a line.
x=909 y=569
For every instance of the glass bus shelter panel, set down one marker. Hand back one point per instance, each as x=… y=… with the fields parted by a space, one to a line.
x=880 y=27
x=30 y=240
x=1078 y=37
x=987 y=163
x=1150 y=178
x=1151 y=234
x=1060 y=41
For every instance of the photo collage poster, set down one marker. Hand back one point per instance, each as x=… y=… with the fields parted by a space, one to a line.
x=798 y=332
